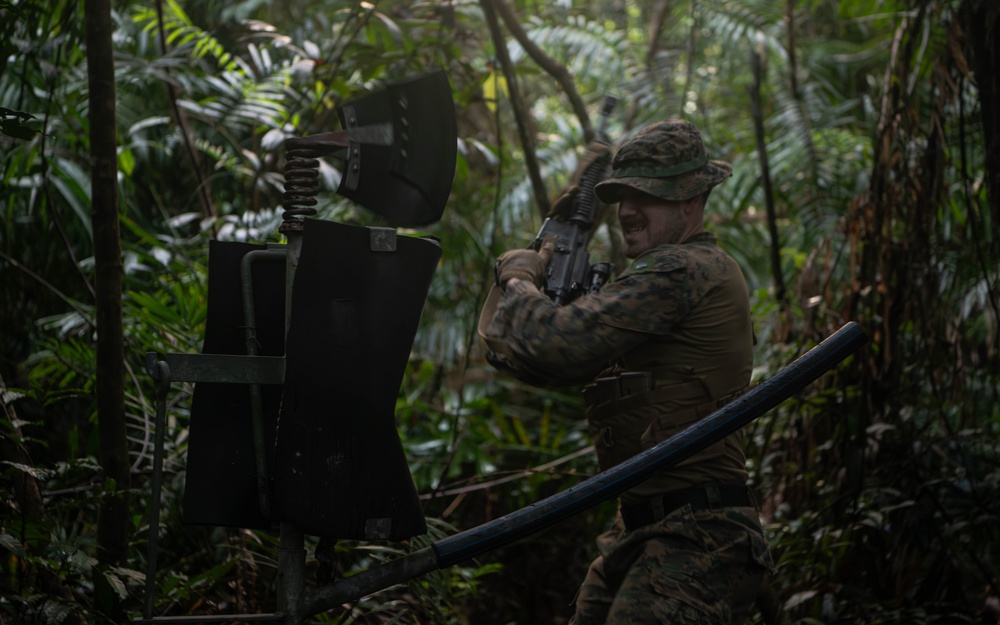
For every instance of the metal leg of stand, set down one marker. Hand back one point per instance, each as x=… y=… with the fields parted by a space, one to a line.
x=291 y=573
x=256 y=398
x=162 y=387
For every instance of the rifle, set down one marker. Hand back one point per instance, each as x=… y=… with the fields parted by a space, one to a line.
x=569 y=273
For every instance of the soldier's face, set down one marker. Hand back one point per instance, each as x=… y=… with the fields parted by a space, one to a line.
x=647 y=221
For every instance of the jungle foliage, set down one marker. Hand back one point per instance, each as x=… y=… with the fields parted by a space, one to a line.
x=875 y=198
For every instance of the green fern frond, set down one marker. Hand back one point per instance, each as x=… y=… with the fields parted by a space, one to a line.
x=180 y=32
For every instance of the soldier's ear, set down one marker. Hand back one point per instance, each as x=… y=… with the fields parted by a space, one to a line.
x=695 y=205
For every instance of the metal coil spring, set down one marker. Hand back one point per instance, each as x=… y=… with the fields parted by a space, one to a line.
x=301 y=182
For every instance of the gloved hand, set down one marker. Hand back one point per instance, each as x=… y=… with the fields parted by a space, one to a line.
x=525 y=264
x=563 y=204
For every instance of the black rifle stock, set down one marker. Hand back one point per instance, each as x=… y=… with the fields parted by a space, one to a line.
x=569 y=273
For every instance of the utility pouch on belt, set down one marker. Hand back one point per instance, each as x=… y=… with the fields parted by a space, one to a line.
x=616 y=433
x=630 y=412
x=665 y=426
x=615 y=388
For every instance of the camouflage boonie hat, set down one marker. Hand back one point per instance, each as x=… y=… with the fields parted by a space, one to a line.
x=666 y=160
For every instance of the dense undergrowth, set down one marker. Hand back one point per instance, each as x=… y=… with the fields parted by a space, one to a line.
x=878 y=483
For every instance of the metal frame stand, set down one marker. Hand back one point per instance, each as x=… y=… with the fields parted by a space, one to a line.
x=254 y=371
x=408 y=191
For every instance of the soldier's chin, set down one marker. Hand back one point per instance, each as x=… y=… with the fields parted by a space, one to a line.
x=633 y=251
x=634 y=245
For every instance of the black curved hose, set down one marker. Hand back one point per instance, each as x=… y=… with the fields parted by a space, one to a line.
x=601 y=487
x=670 y=452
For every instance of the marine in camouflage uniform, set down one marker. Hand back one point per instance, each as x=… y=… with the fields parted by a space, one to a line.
x=665 y=344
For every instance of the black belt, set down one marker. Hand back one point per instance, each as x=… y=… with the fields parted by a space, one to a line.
x=705 y=497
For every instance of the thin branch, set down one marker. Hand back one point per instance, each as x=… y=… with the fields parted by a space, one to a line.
x=660 y=12
x=325 y=115
x=972 y=209
x=44 y=135
x=793 y=79
x=765 y=178
x=549 y=65
x=793 y=69
x=48 y=285
x=208 y=209
x=692 y=48
x=520 y=111
x=518 y=475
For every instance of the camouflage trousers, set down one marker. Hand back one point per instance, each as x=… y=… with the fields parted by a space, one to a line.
x=691 y=568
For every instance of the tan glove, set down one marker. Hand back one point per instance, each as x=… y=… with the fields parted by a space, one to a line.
x=563 y=204
x=525 y=264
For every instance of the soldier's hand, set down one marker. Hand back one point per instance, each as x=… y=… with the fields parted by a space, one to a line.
x=525 y=264
x=562 y=206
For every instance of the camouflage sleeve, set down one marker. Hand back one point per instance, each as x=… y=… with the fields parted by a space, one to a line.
x=667 y=284
x=575 y=342
x=655 y=294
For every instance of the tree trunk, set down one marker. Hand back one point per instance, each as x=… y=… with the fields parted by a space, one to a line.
x=765 y=180
x=113 y=523
x=982 y=21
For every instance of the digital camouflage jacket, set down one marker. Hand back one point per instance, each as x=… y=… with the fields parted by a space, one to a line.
x=673 y=329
